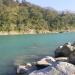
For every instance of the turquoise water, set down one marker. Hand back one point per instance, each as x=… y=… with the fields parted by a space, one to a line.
x=16 y=47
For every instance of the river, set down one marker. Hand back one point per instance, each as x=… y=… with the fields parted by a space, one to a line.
x=18 y=47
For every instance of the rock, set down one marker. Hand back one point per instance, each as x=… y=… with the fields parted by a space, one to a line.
x=72 y=58
x=65 y=59
x=25 y=69
x=41 y=64
x=21 y=69
x=64 y=51
x=73 y=44
x=49 y=66
x=57 y=68
x=46 y=61
x=66 y=68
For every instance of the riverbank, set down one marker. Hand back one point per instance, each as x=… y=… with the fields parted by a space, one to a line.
x=33 y=32
x=29 y=32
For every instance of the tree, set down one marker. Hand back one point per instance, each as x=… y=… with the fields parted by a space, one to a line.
x=23 y=16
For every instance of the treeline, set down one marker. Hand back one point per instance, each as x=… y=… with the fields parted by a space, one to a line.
x=22 y=16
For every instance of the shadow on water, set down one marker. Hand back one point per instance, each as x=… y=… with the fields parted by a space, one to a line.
x=11 y=70
x=27 y=58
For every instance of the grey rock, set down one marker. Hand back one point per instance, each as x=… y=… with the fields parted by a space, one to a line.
x=42 y=63
x=25 y=69
x=65 y=50
x=64 y=59
x=46 y=60
x=72 y=58
x=73 y=44
x=54 y=66
x=57 y=68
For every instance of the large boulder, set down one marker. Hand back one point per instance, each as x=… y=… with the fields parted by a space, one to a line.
x=72 y=58
x=64 y=51
x=57 y=68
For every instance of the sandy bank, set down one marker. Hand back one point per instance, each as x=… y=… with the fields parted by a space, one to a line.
x=28 y=32
x=33 y=32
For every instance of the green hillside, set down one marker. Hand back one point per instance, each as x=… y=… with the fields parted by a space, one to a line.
x=21 y=17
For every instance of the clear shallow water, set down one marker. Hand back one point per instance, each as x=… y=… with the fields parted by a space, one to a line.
x=17 y=47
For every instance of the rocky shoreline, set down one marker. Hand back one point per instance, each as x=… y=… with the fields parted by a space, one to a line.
x=62 y=64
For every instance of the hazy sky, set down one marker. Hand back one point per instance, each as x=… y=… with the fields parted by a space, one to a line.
x=56 y=4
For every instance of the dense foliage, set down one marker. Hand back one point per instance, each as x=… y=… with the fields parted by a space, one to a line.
x=22 y=16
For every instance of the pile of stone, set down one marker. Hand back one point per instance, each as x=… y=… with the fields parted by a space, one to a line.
x=62 y=64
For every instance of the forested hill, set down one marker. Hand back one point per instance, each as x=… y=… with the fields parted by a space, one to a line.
x=23 y=16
